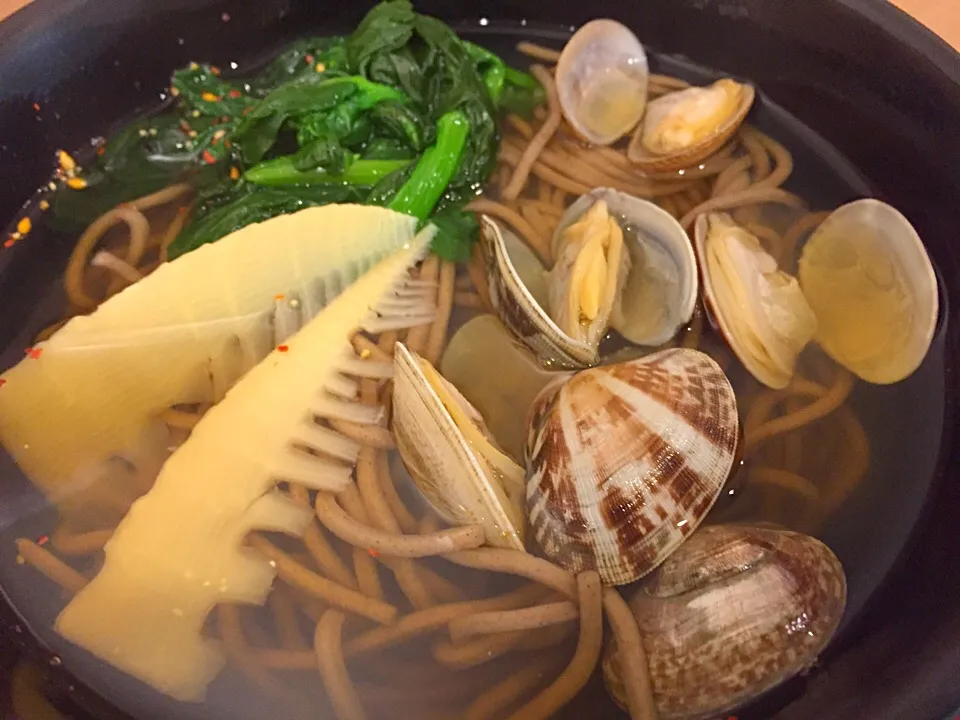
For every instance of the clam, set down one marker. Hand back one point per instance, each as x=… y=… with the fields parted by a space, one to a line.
x=684 y=127
x=872 y=286
x=734 y=612
x=497 y=375
x=451 y=456
x=760 y=309
x=602 y=81
x=624 y=461
x=620 y=262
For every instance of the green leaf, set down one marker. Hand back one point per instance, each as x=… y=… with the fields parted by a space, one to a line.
x=386 y=28
x=401 y=122
x=457 y=231
x=386 y=149
x=300 y=61
x=325 y=153
x=248 y=204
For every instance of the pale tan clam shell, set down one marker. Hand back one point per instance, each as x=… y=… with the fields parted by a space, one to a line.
x=653 y=163
x=520 y=311
x=624 y=461
x=908 y=260
x=596 y=49
x=734 y=612
x=764 y=368
x=447 y=469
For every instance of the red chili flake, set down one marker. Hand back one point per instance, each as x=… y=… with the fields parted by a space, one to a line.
x=43 y=540
x=309 y=59
x=36 y=106
x=215 y=70
x=373 y=553
x=235 y=93
x=3 y=381
x=34 y=353
x=208 y=157
x=101 y=150
x=227 y=144
x=182 y=209
x=283 y=348
x=210 y=97
x=247 y=110
x=279 y=296
x=234 y=173
x=9 y=241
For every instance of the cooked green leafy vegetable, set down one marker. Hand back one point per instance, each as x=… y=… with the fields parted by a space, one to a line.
x=401 y=113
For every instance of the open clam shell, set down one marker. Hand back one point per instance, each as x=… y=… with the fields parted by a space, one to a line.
x=451 y=457
x=682 y=128
x=602 y=81
x=872 y=287
x=759 y=309
x=736 y=611
x=498 y=376
x=657 y=294
x=519 y=308
x=624 y=461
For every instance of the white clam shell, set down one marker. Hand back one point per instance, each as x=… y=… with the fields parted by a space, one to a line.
x=766 y=326
x=604 y=60
x=660 y=291
x=520 y=310
x=876 y=247
x=624 y=461
x=451 y=473
x=731 y=614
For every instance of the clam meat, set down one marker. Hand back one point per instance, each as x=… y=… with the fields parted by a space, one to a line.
x=602 y=81
x=451 y=456
x=734 y=612
x=871 y=284
x=683 y=127
x=621 y=262
x=760 y=309
x=624 y=461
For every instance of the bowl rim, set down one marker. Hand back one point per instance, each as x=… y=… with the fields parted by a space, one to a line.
x=38 y=17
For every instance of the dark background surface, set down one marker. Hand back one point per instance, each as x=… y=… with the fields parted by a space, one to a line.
x=868 y=79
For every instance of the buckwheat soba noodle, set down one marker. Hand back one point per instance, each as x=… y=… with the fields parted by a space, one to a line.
x=419 y=553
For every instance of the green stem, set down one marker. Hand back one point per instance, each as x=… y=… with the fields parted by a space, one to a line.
x=520 y=78
x=281 y=171
x=435 y=169
x=495 y=75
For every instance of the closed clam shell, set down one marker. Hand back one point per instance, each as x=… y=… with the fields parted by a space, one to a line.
x=624 y=461
x=466 y=478
x=736 y=611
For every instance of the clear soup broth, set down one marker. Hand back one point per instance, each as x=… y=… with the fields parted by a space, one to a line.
x=842 y=460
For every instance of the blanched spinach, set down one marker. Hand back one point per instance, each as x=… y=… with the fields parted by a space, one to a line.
x=402 y=113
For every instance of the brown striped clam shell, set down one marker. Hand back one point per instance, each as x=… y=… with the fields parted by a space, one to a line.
x=736 y=611
x=624 y=461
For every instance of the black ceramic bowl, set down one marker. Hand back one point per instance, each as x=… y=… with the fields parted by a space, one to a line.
x=869 y=80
